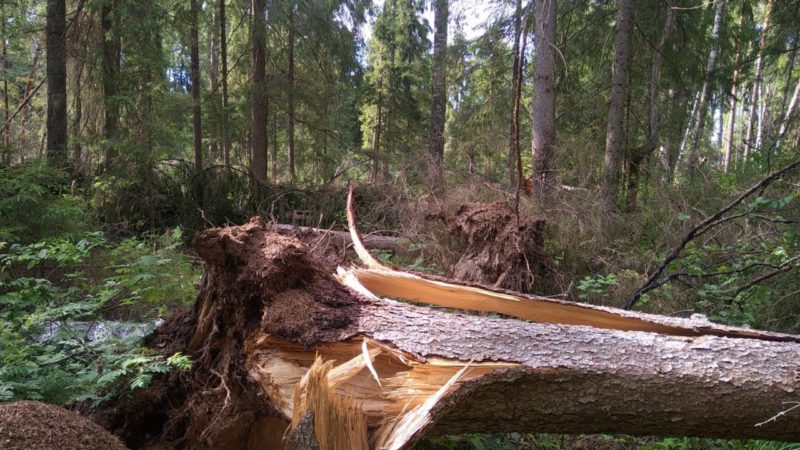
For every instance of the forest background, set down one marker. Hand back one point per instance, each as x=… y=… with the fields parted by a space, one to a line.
x=658 y=140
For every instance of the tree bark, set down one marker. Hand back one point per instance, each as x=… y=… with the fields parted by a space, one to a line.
x=730 y=150
x=543 y=110
x=223 y=56
x=258 y=105
x=639 y=155
x=6 y=131
x=290 y=97
x=615 y=134
x=754 y=96
x=513 y=147
x=705 y=91
x=110 y=66
x=291 y=348
x=438 y=94
x=57 y=149
x=195 y=74
x=788 y=115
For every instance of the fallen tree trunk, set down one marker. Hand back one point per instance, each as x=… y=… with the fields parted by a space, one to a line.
x=289 y=356
x=342 y=238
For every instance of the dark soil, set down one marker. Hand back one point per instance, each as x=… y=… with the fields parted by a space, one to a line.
x=29 y=425
x=502 y=251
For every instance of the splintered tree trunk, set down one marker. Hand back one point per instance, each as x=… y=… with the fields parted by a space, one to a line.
x=258 y=107
x=289 y=355
x=543 y=110
x=615 y=134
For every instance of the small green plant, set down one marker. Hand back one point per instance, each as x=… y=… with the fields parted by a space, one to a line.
x=598 y=285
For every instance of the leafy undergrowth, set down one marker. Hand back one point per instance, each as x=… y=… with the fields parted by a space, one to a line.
x=51 y=289
x=515 y=441
x=61 y=280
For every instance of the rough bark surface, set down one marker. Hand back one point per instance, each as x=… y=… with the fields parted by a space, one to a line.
x=705 y=91
x=57 y=151
x=258 y=107
x=438 y=93
x=267 y=310
x=615 y=137
x=543 y=110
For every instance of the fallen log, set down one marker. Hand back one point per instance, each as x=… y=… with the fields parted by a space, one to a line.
x=342 y=238
x=287 y=355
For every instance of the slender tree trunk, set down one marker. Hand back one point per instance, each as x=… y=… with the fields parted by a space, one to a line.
x=512 y=147
x=615 y=134
x=76 y=68
x=438 y=94
x=27 y=97
x=274 y=145
x=6 y=111
x=788 y=115
x=290 y=97
x=213 y=77
x=223 y=56
x=730 y=150
x=543 y=110
x=195 y=74
x=705 y=92
x=258 y=107
x=376 y=134
x=523 y=39
x=57 y=145
x=641 y=154
x=111 y=55
x=754 y=96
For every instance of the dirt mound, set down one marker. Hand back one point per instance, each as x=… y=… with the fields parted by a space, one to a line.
x=256 y=283
x=28 y=425
x=501 y=251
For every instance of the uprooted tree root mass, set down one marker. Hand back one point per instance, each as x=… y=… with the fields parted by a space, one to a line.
x=503 y=250
x=289 y=355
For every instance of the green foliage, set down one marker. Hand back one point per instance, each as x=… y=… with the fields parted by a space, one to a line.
x=45 y=290
x=35 y=204
x=593 y=286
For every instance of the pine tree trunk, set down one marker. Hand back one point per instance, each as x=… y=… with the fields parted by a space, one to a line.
x=111 y=55
x=195 y=74
x=258 y=106
x=615 y=134
x=223 y=56
x=730 y=150
x=705 y=92
x=543 y=110
x=640 y=155
x=290 y=96
x=754 y=96
x=438 y=94
x=57 y=150
x=512 y=147
x=354 y=370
